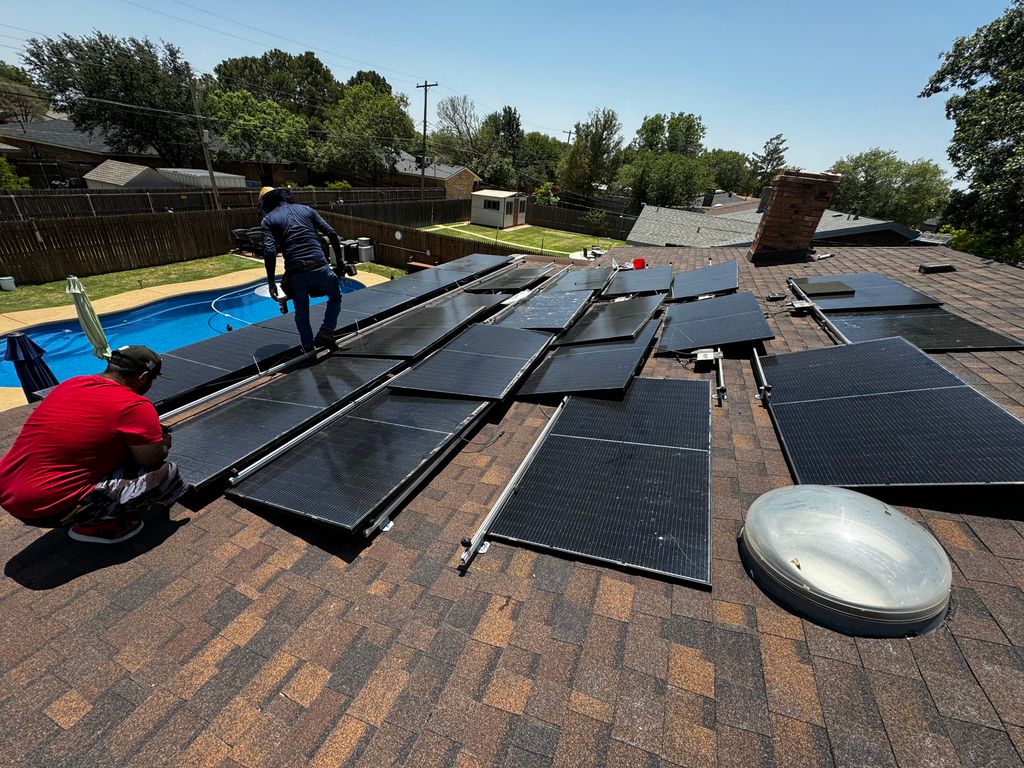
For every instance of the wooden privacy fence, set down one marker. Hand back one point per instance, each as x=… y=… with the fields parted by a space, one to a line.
x=615 y=225
x=414 y=244
x=417 y=213
x=48 y=250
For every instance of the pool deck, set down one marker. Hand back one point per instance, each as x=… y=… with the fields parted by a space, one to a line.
x=12 y=397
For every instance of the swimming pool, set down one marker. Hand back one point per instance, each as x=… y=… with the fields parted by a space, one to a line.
x=162 y=325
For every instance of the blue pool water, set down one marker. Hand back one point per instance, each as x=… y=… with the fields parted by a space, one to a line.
x=163 y=325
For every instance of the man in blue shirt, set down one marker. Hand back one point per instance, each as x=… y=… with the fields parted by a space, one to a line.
x=293 y=230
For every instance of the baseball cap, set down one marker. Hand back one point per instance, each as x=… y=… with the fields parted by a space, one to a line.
x=136 y=358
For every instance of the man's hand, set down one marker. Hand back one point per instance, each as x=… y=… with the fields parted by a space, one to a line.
x=167 y=436
x=274 y=293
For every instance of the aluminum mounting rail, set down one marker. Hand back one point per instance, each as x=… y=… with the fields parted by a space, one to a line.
x=820 y=316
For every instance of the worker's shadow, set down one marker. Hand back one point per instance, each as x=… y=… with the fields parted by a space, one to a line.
x=55 y=559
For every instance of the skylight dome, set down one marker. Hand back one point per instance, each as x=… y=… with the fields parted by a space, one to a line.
x=847 y=561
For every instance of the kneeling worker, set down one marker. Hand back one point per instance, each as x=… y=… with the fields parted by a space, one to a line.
x=93 y=455
x=292 y=230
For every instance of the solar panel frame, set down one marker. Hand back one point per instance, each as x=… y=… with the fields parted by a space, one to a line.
x=932 y=329
x=717 y=322
x=629 y=281
x=871 y=291
x=610 y=320
x=712 y=279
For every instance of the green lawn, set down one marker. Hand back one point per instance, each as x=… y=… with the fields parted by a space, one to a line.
x=380 y=269
x=553 y=241
x=99 y=286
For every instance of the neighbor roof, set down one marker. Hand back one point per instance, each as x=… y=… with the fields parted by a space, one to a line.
x=62 y=133
x=406 y=165
x=662 y=226
x=117 y=172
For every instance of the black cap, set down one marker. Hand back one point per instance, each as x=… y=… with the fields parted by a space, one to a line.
x=136 y=358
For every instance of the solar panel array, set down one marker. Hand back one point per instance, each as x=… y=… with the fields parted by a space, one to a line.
x=718 y=322
x=871 y=291
x=602 y=367
x=353 y=468
x=625 y=482
x=207 y=446
x=484 y=362
x=511 y=281
x=413 y=334
x=930 y=329
x=610 y=320
x=713 y=279
x=547 y=311
x=629 y=281
x=883 y=413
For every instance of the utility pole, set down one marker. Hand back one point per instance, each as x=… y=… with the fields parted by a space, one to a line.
x=202 y=139
x=423 y=160
x=569 y=140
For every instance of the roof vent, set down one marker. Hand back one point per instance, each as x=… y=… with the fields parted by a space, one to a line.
x=847 y=561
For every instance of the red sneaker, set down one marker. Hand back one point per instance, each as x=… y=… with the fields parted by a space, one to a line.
x=105 y=531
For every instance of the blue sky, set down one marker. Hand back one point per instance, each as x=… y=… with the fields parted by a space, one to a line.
x=834 y=77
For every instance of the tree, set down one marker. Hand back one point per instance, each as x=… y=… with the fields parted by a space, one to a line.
x=364 y=130
x=92 y=79
x=456 y=138
x=667 y=179
x=545 y=195
x=9 y=179
x=880 y=184
x=540 y=156
x=591 y=158
x=984 y=75
x=301 y=84
x=259 y=131
x=679 y=132
x=20 y=102
x=731 y=170
x=371 y=77
x=769 y=161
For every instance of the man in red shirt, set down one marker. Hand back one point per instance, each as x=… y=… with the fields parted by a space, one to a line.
x=93 y=455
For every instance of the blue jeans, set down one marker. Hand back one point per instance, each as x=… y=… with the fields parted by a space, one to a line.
x=321 y=281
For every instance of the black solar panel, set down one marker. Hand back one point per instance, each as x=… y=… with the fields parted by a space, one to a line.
x=465 y=302
x=931 y=329
x=603 y=367
x=829 y=288
x=210 y=444
x=871 y=291
x=580 y=280
x=610 y=320
x=286 y=323
x=476 y=263
x=650 y=280
x=716 y=278
x=593 y=489
x=424 y=282
x=483 y=362
x=178 y=377
x=882 y=413
x=410 y=336
x=353 y=467
x=513 y=280
x=714 y=322
x=237 y=350
x=547 y=311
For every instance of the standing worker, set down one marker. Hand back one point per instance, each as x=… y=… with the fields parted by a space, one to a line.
x=293 y=230
x=93 y=455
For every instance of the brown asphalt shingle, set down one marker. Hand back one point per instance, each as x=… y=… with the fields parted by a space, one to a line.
x=232 y=639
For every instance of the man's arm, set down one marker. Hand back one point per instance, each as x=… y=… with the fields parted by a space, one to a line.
x=151 y=456
x=270 y=258
x=327 y=229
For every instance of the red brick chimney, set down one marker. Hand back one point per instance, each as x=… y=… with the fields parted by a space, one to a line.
x=787 y=227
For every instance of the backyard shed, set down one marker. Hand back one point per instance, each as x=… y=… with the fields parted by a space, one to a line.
x=499 y=209
x=200 y=178
x=113 y=174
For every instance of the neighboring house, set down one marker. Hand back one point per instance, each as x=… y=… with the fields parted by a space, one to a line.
x=458 y=180
x=720 y=201
x=113 y=174
x=499 y=209
x=670 y=226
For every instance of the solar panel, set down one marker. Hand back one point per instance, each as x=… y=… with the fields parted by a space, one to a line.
x=871 y=291
x=603 y=367
x=650 y=280
x=580 y=280
x=476 y=263
x=931 y=329
x=828 y=288
x=211 y=443
x=179 y=376
x=237 y=350
x=622 y=482
x=882 y=413
x=610 y=320
x=715 y=278
x=547 y=311
x=412 y=335
x=483 y=362
x=424 y=282
x=513 y=280
x=714 y=322
x=355 y=466
x=464 y=302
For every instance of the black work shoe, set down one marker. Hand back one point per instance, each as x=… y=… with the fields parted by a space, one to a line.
x=325 y=338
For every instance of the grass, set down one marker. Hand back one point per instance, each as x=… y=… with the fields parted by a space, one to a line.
x=100 y=286
x=553 y=241
x=380 y=269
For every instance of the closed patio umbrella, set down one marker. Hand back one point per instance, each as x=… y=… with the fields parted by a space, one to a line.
x=33 y=372
x=87 y=317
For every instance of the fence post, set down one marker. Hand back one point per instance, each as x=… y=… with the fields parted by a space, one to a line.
x=149 y=197
x=17 y=208
x=91 y=207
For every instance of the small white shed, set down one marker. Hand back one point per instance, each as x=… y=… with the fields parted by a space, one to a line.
x=495 y=208
x=200 y=178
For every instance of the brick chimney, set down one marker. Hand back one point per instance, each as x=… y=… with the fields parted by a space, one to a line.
x=787 y=227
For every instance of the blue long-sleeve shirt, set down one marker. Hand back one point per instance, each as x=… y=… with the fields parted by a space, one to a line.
x=292 y=230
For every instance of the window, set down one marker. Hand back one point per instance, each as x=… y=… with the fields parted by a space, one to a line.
x=492 y=205
x=508 y=208
x=522 y=205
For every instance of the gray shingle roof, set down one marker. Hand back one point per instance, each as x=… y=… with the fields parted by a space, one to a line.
x=116 y=172
x=406 y=164
x=62 y=133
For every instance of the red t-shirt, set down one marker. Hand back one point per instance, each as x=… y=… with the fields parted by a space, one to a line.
x=78 y=435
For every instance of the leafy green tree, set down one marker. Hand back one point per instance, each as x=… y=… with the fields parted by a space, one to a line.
x=540 y=156
x=596 y=219
x=259 y=131
x=731 y=170
x=456 y=137
x=371 y=77
x=984 y=75
x=666 y=179
x=591 y=158
x=364 y=131
x=20 y=101
x=545 y=195
x=9 y=179
x=679 y=132
x=769 y=161
x=882 y=185
x=301 y=84
x=92 y=77
x=500 y=172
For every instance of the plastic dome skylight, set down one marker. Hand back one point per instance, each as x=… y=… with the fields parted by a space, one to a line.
x=846 y=560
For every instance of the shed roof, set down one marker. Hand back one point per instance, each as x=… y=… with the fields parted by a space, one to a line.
x=117 y=172
x=495 y=193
